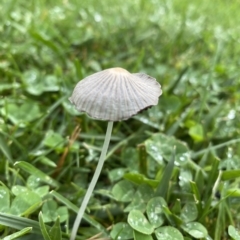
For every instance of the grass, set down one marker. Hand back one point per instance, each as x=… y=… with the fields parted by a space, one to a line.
x=49 y=151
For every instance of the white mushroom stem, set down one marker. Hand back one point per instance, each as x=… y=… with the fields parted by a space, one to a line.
x=93 y=182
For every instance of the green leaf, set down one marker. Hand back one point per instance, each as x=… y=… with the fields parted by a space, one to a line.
x=123 y=191
x=9 y=86
x=42 y=191
x=138 y=221
x=141 y=236
x=160 y=147
x=4 y=199
x=195 y=229
x=23 y=114
x=33 y=182
x=62 y=213
x=185 y=176
x=197 y=132
x=189 y=212
x=17 y=189
x=155 y=212
x=70 y=108
x=18 y=234
x=121 y=231
x=27 y=167
x=168 y=233
x=51 y=212
x=137 y=203
x=37 y=83
x=116 y=174
x=129 y=158
x=43 y=227
x=49 y=209
x=233 y=233
x=170 y=103
x=25 y=203
x=143 y=194
x=53 y=139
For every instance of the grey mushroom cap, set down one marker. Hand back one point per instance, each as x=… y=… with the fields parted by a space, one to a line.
x=115 y=94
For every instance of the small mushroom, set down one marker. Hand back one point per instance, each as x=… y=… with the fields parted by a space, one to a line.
x=113 y=94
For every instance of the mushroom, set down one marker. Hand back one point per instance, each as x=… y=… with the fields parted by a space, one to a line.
x=113 y=95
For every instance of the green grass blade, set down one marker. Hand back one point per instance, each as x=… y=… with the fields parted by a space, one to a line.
x=55 y=231
x=212 y=148
x=212 y=178
x=65 y=201
x=5 y=149
x=27 y=167
x=230 y=174
x=39 y=38
x=142 y=156
x=78 y=68
x=197 y=196
x=221 y=221
x=74 y=208
x=172 y=218
x=18 y=234
x=177 y=81
x=43 y=227
x=164 y=182
x=19 y=223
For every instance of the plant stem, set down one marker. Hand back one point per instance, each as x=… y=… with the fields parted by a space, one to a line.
x=93 y=182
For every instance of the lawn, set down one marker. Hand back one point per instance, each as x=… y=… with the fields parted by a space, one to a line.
x=171 y=172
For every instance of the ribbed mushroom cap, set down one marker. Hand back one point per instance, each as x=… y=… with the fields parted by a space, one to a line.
x=115 y=94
